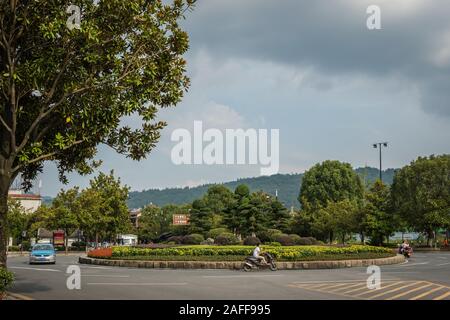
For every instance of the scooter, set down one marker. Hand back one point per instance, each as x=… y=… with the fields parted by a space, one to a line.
x=407 y=252
x=251 y=263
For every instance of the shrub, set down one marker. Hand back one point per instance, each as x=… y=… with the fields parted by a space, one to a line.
x=269 y=235
x=208 y=242
x=226 y=239
x=213 y=233
x=272 y=244
x=314 y=241
x=194 y=238
x=6 y=280
x=251 y=241
x=26 y=245
x=285 y=240
x=295 y=238
x=78 y=244
x=304 y=242
x=175 y=239
x=13 y=248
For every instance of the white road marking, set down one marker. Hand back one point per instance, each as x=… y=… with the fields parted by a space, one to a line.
x=340 y=281
x=246 y=276
x=443 y=264
x=104 y=275
x=104 y=268
x=412 y=264
x=137 y=284
x=36 y=269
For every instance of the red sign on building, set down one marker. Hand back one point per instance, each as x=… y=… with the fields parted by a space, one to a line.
x=58 y=238
x=180 y=219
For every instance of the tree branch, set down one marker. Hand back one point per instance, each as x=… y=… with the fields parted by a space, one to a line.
x=47 y=156
x=5 y=124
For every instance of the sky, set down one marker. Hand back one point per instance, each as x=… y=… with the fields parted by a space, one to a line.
x=313 y=70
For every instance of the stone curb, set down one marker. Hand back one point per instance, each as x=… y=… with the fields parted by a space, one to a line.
x=237 y=265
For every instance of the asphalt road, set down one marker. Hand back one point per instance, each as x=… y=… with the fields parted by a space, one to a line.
x=425 y=276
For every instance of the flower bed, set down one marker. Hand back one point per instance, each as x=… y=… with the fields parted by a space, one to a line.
x=101 y=253
x=293 y=253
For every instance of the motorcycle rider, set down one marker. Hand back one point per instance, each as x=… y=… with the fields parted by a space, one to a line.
x=405 y=247
x=257 y=254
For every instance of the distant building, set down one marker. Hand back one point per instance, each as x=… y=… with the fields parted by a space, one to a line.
x=48 y=236
x=135 y=214
x=30 y=202
x=127 y=239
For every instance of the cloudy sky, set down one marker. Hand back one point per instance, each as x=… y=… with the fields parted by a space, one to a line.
x=313 y=70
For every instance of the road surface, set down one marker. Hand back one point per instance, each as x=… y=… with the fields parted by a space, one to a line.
x=425 y=276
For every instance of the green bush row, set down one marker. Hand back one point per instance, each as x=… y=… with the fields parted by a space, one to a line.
x=286 y=253
x=6 y=279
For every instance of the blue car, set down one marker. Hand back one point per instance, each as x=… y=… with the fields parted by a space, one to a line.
x=43 y=253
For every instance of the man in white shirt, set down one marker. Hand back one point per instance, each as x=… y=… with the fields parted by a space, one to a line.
x=256 y=254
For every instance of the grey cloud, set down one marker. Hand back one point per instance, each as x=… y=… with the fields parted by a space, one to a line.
x=330 y=36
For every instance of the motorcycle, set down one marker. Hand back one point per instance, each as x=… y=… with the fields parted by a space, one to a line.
x=407 y=252
x=253 y=263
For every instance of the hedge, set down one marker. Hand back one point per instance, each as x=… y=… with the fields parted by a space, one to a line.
x=6 y=280
x=285 y=253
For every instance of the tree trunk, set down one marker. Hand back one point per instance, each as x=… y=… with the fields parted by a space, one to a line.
x=361 y=235
x=96 y=240
x=66 y=241
x=435 y=239
x=5 y=181
x=3 y=221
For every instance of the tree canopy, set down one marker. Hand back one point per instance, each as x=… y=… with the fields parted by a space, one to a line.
x=65 y=90
x=329 y=181
x=421 y=193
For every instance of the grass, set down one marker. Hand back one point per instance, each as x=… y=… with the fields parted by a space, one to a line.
x=323 y=257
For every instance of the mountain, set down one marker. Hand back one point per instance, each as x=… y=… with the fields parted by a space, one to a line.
x=287 y=185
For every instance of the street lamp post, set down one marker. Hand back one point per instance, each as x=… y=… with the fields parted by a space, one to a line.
x=380 y=145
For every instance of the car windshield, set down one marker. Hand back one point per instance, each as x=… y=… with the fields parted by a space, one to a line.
x=42 y=247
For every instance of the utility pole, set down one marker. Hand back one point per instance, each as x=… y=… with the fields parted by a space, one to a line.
x=380 y=145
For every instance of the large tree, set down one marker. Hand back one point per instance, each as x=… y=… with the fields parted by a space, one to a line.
x=200 y=220
x=235 y=213
x=218 y=198
x=380 y=220
x=421 y=194
x=153 y=222
x=65 y=89
x=64 y=213
x=329 y=181
x=18 y=220
x=113 y=210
